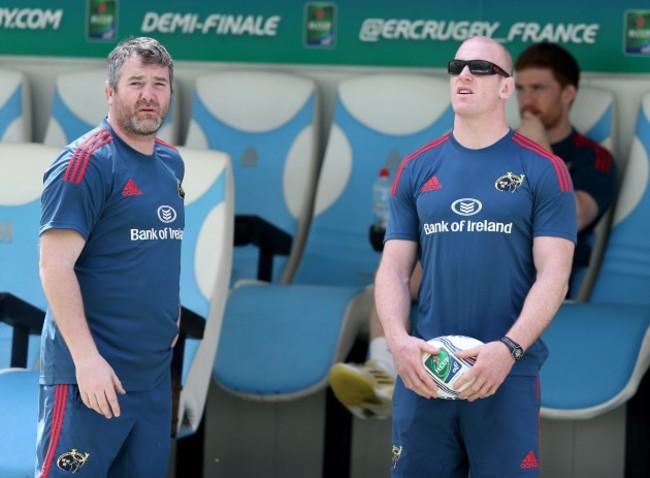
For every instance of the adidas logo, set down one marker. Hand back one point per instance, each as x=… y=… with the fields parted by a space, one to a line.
x=130 y=189
x=431 y=185
x=530 y=461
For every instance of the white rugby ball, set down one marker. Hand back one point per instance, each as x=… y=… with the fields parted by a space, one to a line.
x=447 y=369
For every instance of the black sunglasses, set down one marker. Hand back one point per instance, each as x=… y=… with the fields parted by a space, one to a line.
x=476 y=67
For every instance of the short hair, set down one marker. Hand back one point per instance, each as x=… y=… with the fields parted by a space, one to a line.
x=150 y=52
x=553 y=57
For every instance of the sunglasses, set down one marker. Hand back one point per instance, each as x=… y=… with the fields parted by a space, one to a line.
x=476 y=67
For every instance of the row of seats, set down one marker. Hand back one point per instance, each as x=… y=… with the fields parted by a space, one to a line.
x=15 y=107
x=269 y=124
x=299 y=285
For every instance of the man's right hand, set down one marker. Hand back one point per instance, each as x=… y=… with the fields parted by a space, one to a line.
x=98 y=385
x=532 y=127
x=408 y=361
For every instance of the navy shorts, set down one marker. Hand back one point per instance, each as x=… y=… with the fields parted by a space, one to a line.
x=496 y=437
x=74 y=440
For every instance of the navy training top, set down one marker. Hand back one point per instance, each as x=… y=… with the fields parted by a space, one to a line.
x=129 y=208
x=474 y=214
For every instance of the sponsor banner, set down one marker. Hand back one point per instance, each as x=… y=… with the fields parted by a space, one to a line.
x=604 y=35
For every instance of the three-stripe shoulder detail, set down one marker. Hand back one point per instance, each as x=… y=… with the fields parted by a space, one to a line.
x=561 y=171
x=603 y=162
x=431 y=145
x=82 y=154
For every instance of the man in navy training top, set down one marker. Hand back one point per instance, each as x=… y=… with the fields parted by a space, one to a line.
x=496 y=242
x=111 y=226
x=547 y=78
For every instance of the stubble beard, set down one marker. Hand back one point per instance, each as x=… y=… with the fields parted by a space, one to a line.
x=147 y=125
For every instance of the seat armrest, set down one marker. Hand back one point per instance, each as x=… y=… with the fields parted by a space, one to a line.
x=269 y=239
x=376 y=237
x=25 y=319
x=193 y=327
x=192 y=324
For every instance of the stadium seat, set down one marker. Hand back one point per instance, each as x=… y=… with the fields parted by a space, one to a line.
x=268 y=123
x=295 y=332
x=593 y=114
x=22 y=302
x=600 y=350
x=80 y=104
x=21 y=183
x=205 y=271
x=15 y=108
x=19 y=413
x=206 y=262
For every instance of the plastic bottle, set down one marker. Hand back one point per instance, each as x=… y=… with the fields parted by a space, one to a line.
x=381 y=199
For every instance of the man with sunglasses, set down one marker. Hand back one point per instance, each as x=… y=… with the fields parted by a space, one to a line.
x=495 y=242
x=546 y=82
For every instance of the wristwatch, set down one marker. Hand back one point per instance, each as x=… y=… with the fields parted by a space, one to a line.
x=515 y=349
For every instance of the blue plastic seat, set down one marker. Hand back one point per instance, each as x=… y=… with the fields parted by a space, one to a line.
x=600 y=350
x=279 y=341
x=206 y=258
x=15 y=108
x=21 y=298
x=23 y=165
x=268 y=124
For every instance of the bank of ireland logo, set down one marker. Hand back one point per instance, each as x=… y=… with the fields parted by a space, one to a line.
x=637 y=32
x=466 y=206
x=320 y=24
x=166 y=214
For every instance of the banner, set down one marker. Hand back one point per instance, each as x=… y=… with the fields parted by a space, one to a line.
x=604 y=36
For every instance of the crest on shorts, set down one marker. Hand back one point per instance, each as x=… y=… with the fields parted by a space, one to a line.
x=397 y=453
x=509 y=182
x=72 y=460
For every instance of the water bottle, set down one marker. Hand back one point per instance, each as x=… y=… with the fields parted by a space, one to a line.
x=381 y=199
x=380 y=208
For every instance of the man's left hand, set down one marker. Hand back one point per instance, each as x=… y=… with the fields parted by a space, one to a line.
x=493 y=363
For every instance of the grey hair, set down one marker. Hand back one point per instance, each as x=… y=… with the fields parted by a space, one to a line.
x=150 y=52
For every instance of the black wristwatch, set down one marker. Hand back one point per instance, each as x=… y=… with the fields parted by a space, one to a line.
x=515 y=349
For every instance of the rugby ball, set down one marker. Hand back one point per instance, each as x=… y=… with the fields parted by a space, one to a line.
x=447 y=369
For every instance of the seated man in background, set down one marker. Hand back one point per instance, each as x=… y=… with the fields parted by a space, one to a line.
x=546 y=79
